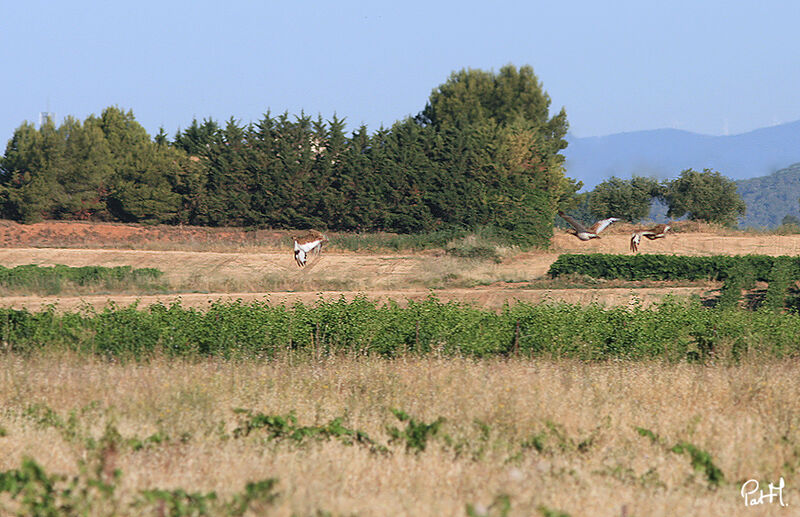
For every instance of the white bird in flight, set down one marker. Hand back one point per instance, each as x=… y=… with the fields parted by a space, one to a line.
x=585 y=234
x=658 y=231
x=306 y=243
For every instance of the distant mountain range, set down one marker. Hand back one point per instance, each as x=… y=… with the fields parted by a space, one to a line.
x=664 y=153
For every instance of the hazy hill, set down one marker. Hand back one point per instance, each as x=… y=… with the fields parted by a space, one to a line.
x=664 y=153
x=770 y=198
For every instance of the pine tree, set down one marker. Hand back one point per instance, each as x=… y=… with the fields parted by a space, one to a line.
x=145 y=174
x=30 y=172
x=512 y=147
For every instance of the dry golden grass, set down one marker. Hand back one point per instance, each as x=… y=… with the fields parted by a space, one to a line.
x=746 y=417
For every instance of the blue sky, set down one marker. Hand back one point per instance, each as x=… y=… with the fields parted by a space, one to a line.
x=712 y=67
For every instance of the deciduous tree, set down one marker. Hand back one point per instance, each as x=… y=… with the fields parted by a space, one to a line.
x=627 y=199
x=704 y=196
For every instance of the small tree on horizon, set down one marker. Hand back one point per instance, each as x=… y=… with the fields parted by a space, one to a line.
x=704 y=196
x=627 y=199
x=790 y=219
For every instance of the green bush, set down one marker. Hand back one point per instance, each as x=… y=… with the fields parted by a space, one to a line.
x=672 y=331
x=779 y=281
x=415 y=435
x=669 y=267
x=52 y=279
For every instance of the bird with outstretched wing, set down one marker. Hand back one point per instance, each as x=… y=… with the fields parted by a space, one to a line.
x=307 y=243
x=592 y=232
x=658 y=231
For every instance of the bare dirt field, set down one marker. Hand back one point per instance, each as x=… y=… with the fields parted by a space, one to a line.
x=204 y=264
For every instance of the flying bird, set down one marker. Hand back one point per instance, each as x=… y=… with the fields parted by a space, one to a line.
x=658 y=231
x=582 y=233
x=306 y=243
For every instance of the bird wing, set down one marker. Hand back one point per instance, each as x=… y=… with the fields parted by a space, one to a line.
x=575 y=224
x=309 y=236
x=599 y=226
x=656 y=232
x=308 y=245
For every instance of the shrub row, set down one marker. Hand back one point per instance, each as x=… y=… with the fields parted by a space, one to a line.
x=49 y=280
x=670 y=267
x=32 y=274
x=672 y=331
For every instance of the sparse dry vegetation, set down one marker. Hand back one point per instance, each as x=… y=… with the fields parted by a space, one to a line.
x=560 y=435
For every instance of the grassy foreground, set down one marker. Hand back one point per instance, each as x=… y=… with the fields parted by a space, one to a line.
x=406 y=436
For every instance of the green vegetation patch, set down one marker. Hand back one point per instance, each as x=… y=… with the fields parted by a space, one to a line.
x=701 y=460
x=381 y=241
x=671 y=330
x=46 y=280
x=671 y=267
x=33 y=491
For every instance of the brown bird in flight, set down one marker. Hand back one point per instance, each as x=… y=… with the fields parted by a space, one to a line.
x=658 y=231
x=582 y=232
x=306 y=243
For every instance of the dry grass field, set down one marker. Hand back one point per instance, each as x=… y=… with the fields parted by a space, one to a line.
x=517 y=437
x=202 y=264
x=548 y=435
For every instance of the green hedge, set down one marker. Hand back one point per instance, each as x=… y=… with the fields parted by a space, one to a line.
x=51 y=279
x=671 y=330
x=669 y=267
x=85 y=275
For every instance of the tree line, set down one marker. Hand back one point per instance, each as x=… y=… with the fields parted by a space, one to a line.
x=697 y=195
x=483 y=153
